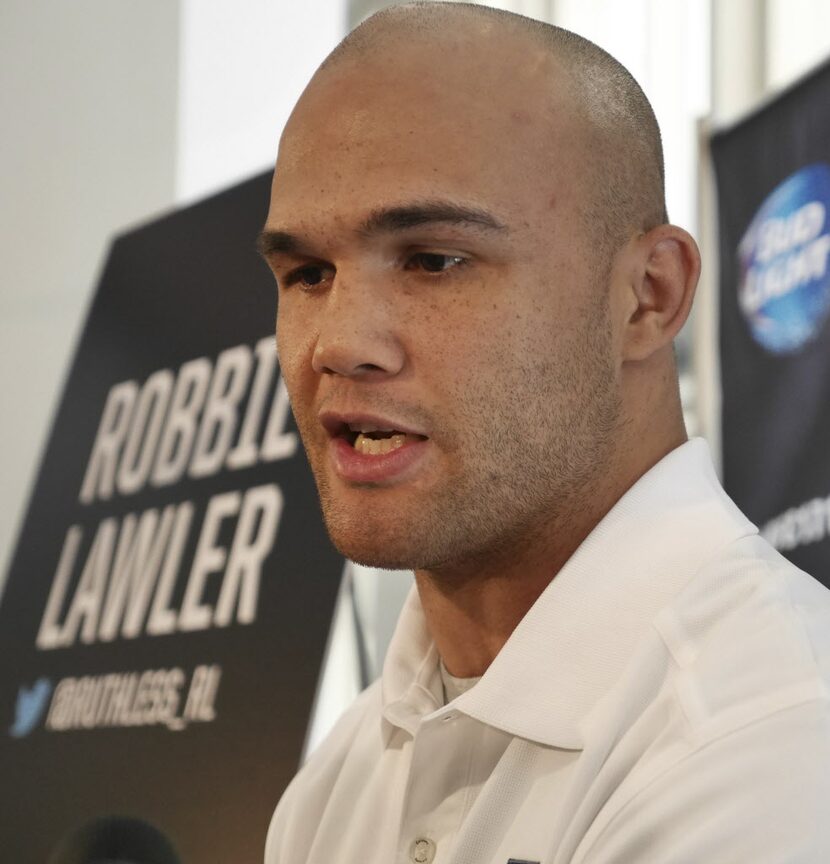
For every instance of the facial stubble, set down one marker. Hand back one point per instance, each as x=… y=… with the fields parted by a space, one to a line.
x=523 y=456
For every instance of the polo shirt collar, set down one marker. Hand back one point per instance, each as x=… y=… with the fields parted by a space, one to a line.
x=576 y=639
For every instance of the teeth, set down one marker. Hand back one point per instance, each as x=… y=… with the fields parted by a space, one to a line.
x=378 y=446
x=367 y=429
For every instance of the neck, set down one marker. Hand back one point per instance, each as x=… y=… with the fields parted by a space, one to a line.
x=471 y=616
x=472 y=607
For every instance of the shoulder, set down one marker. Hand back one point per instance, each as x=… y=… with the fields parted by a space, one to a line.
x=749 y=636
x=736 y=764
x=303 y=803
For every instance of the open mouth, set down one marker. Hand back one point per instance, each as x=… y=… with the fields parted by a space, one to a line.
x=376 y=442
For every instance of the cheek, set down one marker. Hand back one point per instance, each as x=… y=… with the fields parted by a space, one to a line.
x=473 y=359
x=294 y=347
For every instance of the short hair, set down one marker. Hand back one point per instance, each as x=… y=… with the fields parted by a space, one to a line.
x=624 y=145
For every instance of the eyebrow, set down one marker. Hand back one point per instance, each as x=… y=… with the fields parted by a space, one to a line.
x=273 y=242
x=426 y=213
x=390 y=220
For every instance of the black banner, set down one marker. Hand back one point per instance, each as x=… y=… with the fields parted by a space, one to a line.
x=169 y=600
x=773 y=177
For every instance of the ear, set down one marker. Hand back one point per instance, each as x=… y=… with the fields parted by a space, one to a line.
x=661 y=287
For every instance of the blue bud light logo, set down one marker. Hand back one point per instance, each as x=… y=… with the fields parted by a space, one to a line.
x=784 y=290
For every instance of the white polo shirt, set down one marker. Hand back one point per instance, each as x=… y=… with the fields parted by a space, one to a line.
x=665 y=700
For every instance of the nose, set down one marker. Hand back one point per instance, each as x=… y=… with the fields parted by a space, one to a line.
x=357 y=333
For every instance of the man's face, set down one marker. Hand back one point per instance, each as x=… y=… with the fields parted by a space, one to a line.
x=442 y=326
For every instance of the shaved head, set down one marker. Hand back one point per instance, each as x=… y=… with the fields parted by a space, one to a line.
x=622 y=147
x=466 y=229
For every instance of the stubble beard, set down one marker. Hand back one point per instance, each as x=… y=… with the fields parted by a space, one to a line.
x=524 y=473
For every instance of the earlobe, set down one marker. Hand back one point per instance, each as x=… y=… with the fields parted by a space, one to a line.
x=663 y=283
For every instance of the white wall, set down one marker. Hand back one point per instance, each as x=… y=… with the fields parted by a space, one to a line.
x=243 y=66
x=88 y=96
x=797 y=38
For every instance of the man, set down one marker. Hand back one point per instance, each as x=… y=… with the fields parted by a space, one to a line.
x=478 y=293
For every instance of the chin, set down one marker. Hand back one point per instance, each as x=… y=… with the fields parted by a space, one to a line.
x=391 y=543
x=420 y=546
x=406 y=535
x=373 y=551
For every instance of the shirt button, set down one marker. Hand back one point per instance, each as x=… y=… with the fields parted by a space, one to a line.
x=422 y=851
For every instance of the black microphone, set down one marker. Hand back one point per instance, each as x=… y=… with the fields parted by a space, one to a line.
x=115 y=840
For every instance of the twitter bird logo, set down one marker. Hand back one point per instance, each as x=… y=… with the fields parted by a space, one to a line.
x=30 y=704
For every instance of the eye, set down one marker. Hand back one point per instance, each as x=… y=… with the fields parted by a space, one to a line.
x=434 y=262
x=310 y=276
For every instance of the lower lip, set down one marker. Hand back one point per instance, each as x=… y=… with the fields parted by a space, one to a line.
x=356 y=467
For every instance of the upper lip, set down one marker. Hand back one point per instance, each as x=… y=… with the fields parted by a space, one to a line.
x=336 y=423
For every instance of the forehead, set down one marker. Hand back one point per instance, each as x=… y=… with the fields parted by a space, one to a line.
x=494 y=125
